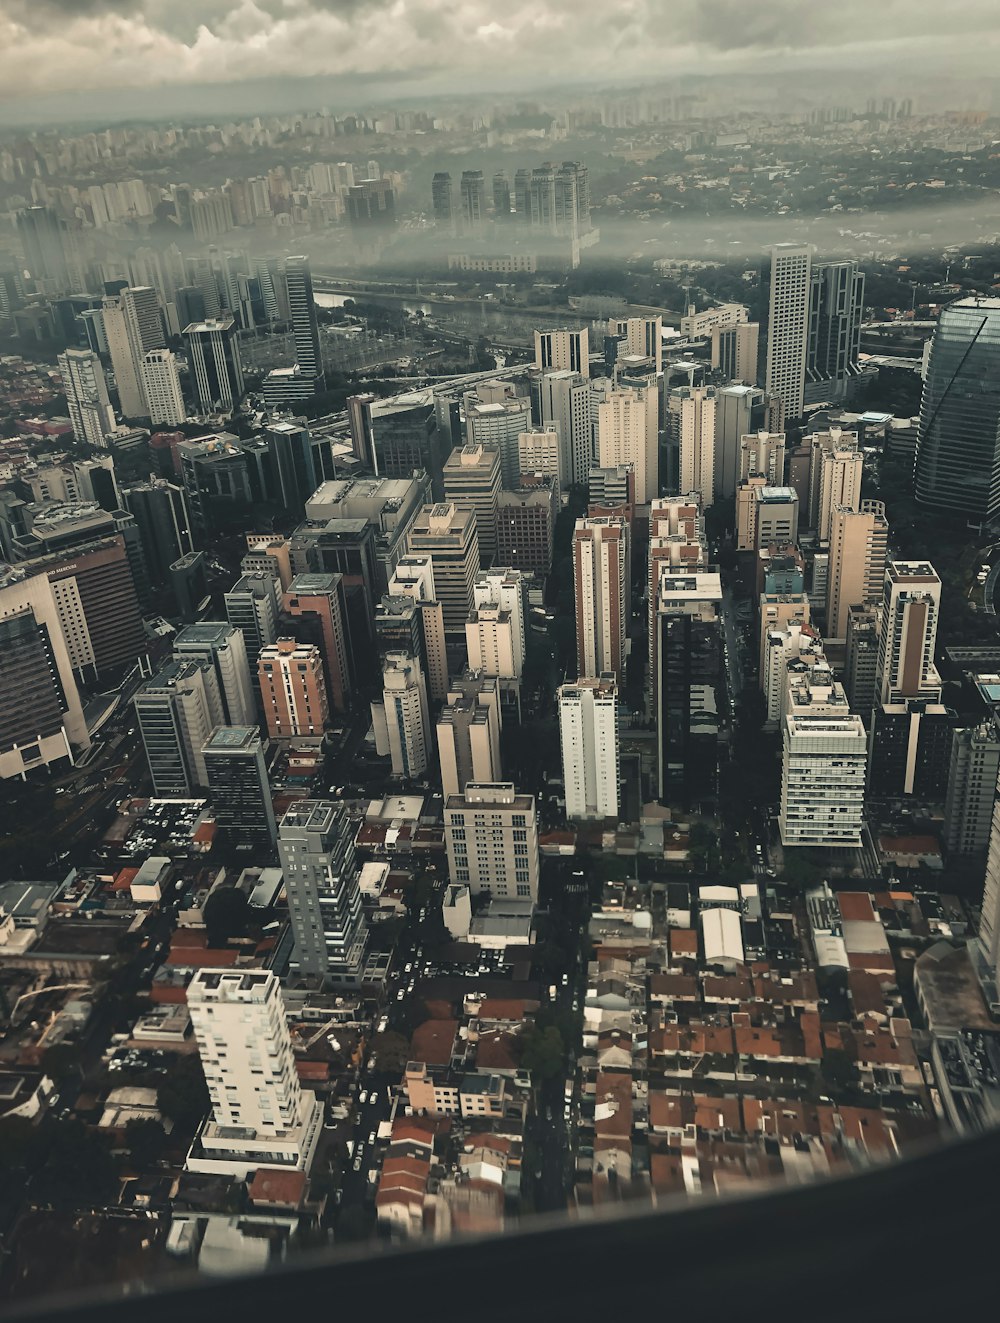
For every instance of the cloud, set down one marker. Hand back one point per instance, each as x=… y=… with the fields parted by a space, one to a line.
x=86 y=45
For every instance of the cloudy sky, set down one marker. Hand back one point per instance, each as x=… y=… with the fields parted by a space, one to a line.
x=58 y=47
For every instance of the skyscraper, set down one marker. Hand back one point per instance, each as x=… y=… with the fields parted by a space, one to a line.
x=641 y=337
x=316 y=846
x=911 y=601
x=261 y=1116
x=401 y=719
x=305 y=322
x=739 y=411
x=836 y=306
x=473 y=194
x=252 y=607
x=472 y=480
x=601 y=579
x=735 y=350
x=972 y=789
x=223 y=647
x=501 y=197
x=292 y=689
x=319 y=600
x=497 y=425
x=448 y=536
x=468 y=732
x=133 y=326
x=859 y=541
x=564 y=403
x=588 y=737
x=823 y=765
x=215 y=365
x=160 y=511
x=41 y=717
x=622 y=439
x=689 y=685
x=692 y=422
x=442 y=200
x=237 y=784
x=839 y=485
x=566 y=350
x=161 y=385
x=786 y=286
x=87 y=400
x=177 y=710
x=42 y=237
x=958 y=443
x=491 y=835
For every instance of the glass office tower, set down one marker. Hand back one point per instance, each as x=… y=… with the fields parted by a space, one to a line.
x=958 y=446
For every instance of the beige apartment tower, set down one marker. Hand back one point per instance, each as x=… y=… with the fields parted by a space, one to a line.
x=859 y=541
x=601 y=579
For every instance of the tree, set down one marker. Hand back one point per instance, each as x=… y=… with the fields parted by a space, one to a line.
x=543 y=1052
x=704 y=848
x=145 y=1141
x=183 y=1094
x=225 y=915
x=392 y=1051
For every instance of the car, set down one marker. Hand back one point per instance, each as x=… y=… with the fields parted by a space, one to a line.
x=363 y=1097
x=565 y=980
x=357 y=1163
x=372 y=1137
x=400 y=994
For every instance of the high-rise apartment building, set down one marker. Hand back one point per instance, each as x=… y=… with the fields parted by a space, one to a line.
x=622 y=439
x=413 y=579
x=252 y=608
x=588 y=737
x=215 y=364
x=563 y=403
x=824 y=764
x=448 y=536
x=87 y=400
x=223 y=647
x=859 y=542
x=292 y=689
x=317 y=606
x=739 y=411
x=974 y=768
x=237 y=785
x=316 y=847
x=491 y=836
x=691 y=414
x=260 y=1117
x=762 y=454
x=786 y=286
x=601 y=587
x=472 y=481
x=839 y=485
x=958 y=443
x=861 y=671
x=177 y=710
x=538 y=452
x=161 y=384
x=468 y=732
x=640 y=337
x=911 y=603
x=735 y=350
x=401 y=718
x=566 y=350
